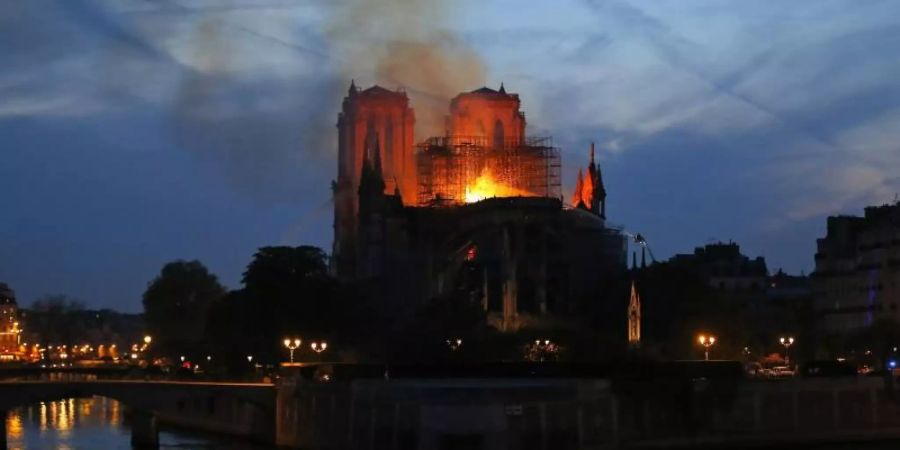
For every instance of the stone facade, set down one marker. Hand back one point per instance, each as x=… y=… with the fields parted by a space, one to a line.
x=520 y=255
x=857 y=276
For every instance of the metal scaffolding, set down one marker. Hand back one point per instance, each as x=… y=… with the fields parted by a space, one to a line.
x=447 y=165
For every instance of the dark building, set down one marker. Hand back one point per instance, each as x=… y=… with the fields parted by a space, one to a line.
x=858 y=269
x=487 y=223
x=10 y=331
x=725 y=268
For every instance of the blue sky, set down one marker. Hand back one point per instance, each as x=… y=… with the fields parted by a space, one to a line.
x=134 y=132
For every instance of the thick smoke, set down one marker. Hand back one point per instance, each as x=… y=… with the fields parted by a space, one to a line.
x=266 y=131
x=274 y=135
x=407 y=44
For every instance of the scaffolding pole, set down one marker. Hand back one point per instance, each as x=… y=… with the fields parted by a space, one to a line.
x=447 y=165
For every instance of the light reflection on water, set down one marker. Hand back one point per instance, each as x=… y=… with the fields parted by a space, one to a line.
x=96 y=423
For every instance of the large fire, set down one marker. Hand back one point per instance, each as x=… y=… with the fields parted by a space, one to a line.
x=485 y=186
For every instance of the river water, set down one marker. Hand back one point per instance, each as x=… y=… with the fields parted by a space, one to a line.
x=96 y=423
x=100 y=423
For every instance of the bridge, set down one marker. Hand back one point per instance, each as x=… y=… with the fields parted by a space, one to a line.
x=245 y=410
x=539 y=407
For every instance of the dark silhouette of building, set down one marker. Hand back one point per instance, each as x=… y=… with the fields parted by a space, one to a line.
x=487 y=225
x=857 y=275
x=725 y=268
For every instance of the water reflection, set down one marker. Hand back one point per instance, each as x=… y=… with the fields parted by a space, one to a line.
x=96 y=423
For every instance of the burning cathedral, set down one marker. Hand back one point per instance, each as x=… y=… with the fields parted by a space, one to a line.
x=475 y=215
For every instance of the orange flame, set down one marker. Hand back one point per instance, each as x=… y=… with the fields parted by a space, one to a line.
x=485 y=186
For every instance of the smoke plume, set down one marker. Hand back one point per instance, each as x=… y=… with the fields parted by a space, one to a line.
x=267 y=131
x=407 y=44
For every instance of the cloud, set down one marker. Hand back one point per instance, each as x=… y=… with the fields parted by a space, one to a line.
x=744 y=120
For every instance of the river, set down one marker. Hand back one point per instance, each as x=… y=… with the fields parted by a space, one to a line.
x=96 y=423
x=100 y=423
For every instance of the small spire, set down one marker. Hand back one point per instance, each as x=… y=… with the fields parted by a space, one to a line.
x=371 y=180
x=592 y=152
x=376 y=158
x=367 y=156
x=598 y=184
x=502 y=89
x=352 y=90
x=579 y=186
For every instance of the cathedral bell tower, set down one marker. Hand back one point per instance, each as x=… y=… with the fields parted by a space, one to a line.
x=369 y=115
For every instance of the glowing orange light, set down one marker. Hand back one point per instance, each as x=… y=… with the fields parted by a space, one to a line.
x=485 y=186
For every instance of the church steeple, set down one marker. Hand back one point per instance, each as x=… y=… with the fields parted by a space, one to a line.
x=600 y=191
x=371 y=178
x=596 y=201
x=577 y=200
x=376 y=158
x=634 y=317
x=592 y=168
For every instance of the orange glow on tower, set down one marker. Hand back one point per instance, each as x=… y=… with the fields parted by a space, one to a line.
x=489 y=114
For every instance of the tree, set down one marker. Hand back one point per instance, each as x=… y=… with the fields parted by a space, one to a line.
x=287 y=292
x=56 y=320
x=176 y=305
x=678 y=303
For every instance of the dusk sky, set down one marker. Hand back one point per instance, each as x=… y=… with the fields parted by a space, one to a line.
x=136 y=132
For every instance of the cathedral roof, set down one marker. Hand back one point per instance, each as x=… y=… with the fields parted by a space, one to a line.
x=376 y=89
x=484 y=90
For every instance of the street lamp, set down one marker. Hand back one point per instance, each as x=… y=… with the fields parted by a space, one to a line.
x=454 y=344
x=148 y=339
x=706 y=342
x=786 y=342
x=292 y=345
x=319 y=347
x=543 y=347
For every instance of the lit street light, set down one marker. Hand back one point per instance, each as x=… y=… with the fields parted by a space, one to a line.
x=292 y=345
x=706 y=342
x=318 y=347
x=544 y=348
x=454 y=344
x=786 y=342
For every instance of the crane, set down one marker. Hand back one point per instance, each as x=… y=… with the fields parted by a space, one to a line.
x=640 y=240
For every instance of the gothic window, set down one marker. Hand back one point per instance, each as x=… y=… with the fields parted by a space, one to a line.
x=388 y=147
x=498 y=134
x=370 y=132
